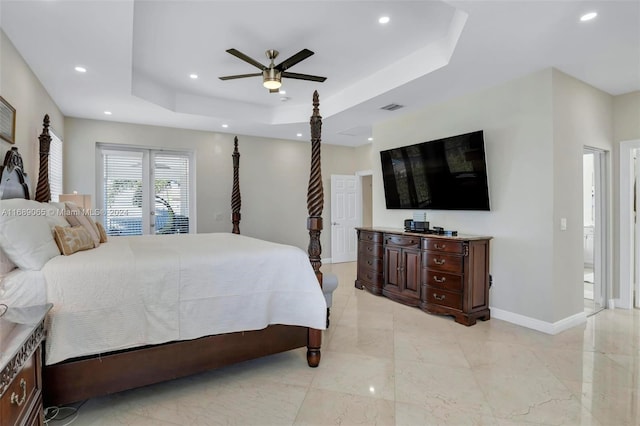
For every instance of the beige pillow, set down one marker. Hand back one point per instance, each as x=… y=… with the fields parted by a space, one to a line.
x=72 y=239
x=76 y=217
x=102 y=232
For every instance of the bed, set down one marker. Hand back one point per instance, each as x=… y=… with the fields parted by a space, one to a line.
x=169 y=282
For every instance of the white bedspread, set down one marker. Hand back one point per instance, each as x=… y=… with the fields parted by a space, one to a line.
x=142 y=290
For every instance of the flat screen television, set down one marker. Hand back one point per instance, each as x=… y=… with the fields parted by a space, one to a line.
x=443 y=174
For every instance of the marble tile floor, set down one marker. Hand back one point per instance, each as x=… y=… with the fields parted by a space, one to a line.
x=387 y=364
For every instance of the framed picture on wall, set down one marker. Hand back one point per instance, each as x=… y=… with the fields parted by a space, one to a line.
x=7 y=121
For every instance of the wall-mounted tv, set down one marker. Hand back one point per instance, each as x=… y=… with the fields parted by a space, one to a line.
x=443 y=174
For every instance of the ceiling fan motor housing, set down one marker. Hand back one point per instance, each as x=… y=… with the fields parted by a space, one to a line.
x=271 y=78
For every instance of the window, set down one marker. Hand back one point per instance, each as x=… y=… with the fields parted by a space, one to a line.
x=145 y=191
x=55 y=166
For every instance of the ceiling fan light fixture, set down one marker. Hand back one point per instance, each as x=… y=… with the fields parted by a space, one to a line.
x=271 y=79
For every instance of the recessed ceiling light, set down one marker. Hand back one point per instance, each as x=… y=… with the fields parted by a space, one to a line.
x=369 y=139
x=384 y=20
x=299 y=135
x=225 y=125
x=193 y=76
x=80 y=69
x=107 y=113
x=588 y=16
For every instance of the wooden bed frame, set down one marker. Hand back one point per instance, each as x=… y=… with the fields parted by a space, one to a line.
x=82 y=378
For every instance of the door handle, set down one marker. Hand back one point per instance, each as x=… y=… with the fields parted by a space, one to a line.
x=335 y=223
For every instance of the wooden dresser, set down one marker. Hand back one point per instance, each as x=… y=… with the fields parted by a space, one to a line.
x=438 y=274
x=21 y=335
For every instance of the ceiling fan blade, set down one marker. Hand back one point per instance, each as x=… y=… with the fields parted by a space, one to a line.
x=288 y=63
x=245 y=58
x=303 y=76
x=231 y=77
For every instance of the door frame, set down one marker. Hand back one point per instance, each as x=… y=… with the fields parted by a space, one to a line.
x=626 y=227
x=601 y=224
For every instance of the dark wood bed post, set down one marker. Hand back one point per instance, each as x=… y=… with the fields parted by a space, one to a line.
x=43 y=192
x=315 y=203
x=235 y=193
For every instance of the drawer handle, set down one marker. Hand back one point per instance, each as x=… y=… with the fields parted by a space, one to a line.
x=439 y=261
x=369 y=249
x=440 y=298
x=14 y=396
x=369 y=262
x=439 y=280
x=438 y=247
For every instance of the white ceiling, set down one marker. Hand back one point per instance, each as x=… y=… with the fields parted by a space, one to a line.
x=139 y=55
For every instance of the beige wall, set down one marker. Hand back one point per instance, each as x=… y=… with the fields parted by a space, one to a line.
x=274 y=175
x=626 y=111
x=582 y=116
x=517 y=121
x=22 y=89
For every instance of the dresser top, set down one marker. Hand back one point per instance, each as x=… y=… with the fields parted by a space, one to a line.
x=400 y=231
x=16 y=326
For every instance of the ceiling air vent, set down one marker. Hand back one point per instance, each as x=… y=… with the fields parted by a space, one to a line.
x=392 y=107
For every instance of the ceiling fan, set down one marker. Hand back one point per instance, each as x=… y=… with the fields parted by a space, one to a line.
x=272 y=74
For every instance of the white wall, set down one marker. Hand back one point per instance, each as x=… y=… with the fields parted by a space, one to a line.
x=22 y=89
x=517 y=121
x=274 y=175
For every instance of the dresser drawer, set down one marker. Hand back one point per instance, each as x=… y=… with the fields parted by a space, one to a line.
x=401 y=240
x=442 y=280
x=370 y=276
x=21 y=394
x=374 y=237
x=370 y=262
x=440 y=244
x=442 y=262
x=368 y=249
x=441 y=297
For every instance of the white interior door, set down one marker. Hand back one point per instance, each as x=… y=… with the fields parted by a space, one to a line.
x=346 y=207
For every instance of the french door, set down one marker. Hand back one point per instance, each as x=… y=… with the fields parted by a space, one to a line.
x=145 y=191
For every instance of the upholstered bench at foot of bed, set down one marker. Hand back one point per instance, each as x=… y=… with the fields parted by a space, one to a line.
x=329 y=284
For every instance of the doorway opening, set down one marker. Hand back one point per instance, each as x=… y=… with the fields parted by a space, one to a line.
x=595 y=230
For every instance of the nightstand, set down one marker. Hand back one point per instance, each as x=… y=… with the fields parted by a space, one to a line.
x=21 y=335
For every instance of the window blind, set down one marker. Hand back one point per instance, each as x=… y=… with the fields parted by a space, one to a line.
x=146 y=191
x=55 y=166
x=172 y=192
x=123 y=192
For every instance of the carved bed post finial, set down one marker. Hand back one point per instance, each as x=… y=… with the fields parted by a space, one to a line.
x=236 y=201
x=43 y=191
x=315 y=204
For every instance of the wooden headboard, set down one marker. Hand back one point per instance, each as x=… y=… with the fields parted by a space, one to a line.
x=14 y=182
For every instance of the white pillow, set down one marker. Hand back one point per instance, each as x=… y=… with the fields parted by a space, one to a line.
x=56 y=215
x=6 y=265
x=25 y=235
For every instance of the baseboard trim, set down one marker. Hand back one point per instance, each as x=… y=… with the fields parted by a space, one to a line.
x=327 y=260
x=538 y=325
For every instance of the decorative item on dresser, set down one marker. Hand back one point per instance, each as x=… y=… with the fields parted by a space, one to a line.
x=21 y=335
x=78 y=377
x=446 y=275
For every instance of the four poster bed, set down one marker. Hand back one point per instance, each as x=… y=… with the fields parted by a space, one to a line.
x=68 y=379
